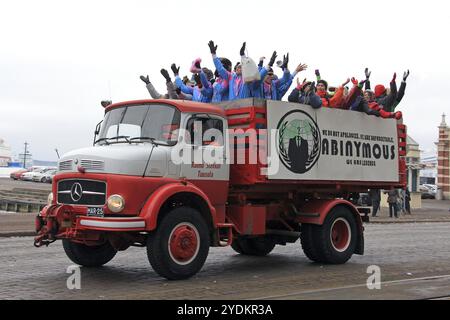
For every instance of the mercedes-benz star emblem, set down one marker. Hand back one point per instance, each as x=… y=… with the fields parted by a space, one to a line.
x=76 y=192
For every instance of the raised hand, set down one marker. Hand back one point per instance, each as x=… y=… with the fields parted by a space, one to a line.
x=362 y=82
x=405 y=75
x=166 y=75
x=212 y=47
x=394 y=77
x=175 y=70
x=347 y=81
x=354 y=81
x=367 y=73
x=301 y=67
x=242 y=52
x=285 y=61
x=145 y=79
x=272 y=59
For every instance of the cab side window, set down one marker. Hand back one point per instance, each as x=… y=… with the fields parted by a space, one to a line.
x=205 y=131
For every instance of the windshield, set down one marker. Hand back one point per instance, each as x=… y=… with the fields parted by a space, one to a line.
x=140 y=123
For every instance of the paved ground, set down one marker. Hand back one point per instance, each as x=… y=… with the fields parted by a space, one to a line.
x=8 y=183
x=414 y=261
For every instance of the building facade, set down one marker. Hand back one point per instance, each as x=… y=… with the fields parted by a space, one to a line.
x=443 y=146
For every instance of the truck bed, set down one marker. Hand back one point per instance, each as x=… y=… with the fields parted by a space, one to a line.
x=348 y=151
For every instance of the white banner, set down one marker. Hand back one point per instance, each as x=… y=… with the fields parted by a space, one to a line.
x=332 y=144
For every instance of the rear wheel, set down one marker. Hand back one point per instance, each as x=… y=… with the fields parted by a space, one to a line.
x=259 y=246
x=89 y=256
x=178 y=248
x=307 y=241
x=334 y=242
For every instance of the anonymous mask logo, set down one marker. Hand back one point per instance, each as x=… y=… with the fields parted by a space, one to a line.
x=298 y=141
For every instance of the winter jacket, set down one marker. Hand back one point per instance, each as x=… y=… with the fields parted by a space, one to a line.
x=277 y=88
x=155 y=94
x=387 y=101
x=333 y=102
x=198 y=94
x=349 y=100
x=361 y=105
x=400 y=95
x=238 y=89
x=392 y=196
x=221 y=85
x=311 y=98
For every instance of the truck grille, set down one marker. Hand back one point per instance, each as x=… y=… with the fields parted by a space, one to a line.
x=81 y=192
x=98 y=165
x=65 y=165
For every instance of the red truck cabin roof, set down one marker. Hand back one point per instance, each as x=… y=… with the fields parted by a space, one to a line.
x=182 y=105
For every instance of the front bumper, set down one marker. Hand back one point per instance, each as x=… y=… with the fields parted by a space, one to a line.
x=70 y=222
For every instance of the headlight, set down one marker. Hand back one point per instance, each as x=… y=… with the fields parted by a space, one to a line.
x=50 y=199
x=116 y=203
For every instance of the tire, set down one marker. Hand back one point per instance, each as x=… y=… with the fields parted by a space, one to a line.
x=334 y=242
x=89 y=256
x=307 y=241
x=179 y=246
x=44 y=180
x=260 y=246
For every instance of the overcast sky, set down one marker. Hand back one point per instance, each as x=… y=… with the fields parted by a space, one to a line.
x=58 y=59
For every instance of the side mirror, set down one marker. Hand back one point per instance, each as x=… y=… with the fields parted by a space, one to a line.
x=97 y=130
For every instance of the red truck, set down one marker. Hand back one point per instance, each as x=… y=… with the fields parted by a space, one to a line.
x=178 y=177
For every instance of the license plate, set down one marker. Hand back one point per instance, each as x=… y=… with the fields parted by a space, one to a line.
x=95 y=212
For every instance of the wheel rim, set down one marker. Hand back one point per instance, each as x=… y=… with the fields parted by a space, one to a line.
x=184 y=243
x=340 y=235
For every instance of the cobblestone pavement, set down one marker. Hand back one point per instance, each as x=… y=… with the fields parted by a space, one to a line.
x=417 y=254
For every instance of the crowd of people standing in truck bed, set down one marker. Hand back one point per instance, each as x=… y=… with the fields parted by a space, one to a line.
x=227 y=83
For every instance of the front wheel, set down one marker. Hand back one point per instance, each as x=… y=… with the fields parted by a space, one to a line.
x=89 y=256
x=178 y=248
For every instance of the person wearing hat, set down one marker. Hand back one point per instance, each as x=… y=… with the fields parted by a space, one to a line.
x=334 y=101
x=222 y=83
x=370 y=98
x=382 y=97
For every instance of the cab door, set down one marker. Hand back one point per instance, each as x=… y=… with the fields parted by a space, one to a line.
x=207 y=169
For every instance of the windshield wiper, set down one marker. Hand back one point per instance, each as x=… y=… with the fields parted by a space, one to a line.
x=119 y=137
x=152 y=140
x=102 y=139
x=143 y=138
